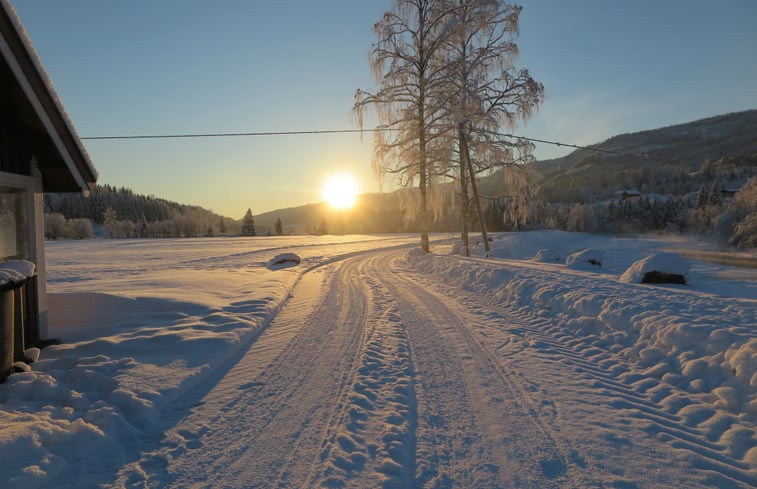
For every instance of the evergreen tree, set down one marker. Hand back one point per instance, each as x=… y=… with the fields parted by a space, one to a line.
x=279 y=227
x=703 y=198
x=323 y=227
x=248 y=224
x=716 y=194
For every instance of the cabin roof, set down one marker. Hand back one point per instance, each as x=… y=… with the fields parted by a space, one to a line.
x=29 y=103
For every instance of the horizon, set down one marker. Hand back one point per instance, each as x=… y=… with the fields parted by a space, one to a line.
x=103 y=60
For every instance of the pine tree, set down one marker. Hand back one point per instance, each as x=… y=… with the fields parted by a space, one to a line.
x=716 y=194
x=248 y=224
x=703 y=198
x=323 y=227
x=279 y=227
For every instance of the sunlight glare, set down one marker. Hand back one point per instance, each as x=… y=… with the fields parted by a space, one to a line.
x=340 y=190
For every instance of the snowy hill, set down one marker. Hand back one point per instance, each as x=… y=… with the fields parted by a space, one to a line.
x=673 y=153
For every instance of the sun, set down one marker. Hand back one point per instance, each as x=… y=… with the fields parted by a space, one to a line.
x=340 y=190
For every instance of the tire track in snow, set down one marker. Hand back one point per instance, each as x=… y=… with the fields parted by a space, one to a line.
x=476 y=428
x=372 y=444
x=261 y=425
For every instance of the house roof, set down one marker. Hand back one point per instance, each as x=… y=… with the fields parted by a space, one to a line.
x=29 y=100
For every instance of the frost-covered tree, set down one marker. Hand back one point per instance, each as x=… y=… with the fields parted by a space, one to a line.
x=248 y=224
x=490 y=93
x=55 y=226
x=408 y=66
x=716 y=194
x=703 y=198
x=80 y=229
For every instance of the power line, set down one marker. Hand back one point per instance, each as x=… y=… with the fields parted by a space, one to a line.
x=594 y=148
x=231 y=134
x=378 y=129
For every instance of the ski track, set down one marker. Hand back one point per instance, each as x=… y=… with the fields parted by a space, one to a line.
x=375 y=376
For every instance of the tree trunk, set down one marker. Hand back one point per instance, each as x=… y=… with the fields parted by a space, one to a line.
x=423 y=169
x=466 y=153
x=463 y=196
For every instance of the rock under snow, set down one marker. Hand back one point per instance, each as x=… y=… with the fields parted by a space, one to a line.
x=585 y=260
x=548 y=256
x=659 y=268
x=286 y=259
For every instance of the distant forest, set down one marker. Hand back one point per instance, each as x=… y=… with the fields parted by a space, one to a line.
x=125 y=214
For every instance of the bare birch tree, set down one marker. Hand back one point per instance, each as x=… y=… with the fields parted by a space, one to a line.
x=491 y=93
x=408 y=65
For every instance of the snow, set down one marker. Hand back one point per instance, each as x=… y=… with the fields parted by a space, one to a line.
x=588 y=259
x=15 y=271
x=284 y=259
x=546 y=255
x=627 y=384
x=666 y=263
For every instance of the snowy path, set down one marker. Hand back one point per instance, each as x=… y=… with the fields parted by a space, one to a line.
x=475 y=428
x=373 y=376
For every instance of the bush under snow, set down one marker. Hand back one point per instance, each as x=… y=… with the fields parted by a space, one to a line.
x=657 y=268
x=587 y=259
x=548 y=256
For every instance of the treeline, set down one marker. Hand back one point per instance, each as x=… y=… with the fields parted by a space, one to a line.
x=599 y=177
x=125 y=214
x=713 y=210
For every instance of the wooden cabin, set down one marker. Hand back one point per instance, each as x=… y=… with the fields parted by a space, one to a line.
x=40 y=151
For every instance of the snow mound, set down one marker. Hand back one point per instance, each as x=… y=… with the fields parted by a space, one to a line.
x=284 y=259
x=587 y=259
x=547 y=256
x=418 y=252
x=658 y=268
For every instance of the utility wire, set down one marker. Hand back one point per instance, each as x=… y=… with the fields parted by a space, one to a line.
x=593 y=148
x=231 y=134
x=352 y=131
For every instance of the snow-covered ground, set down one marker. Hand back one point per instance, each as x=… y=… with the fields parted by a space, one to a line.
x=185 y=363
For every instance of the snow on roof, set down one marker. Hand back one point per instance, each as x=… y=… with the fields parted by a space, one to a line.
x=36 y=63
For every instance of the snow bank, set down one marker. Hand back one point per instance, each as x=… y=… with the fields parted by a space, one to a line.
x=704 y=345
x=663 y=263
x=588 y=259
x=548 y=256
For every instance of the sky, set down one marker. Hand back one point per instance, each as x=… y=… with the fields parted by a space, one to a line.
x=190 y=66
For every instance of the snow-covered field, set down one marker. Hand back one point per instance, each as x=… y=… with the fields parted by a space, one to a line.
x=196 y=363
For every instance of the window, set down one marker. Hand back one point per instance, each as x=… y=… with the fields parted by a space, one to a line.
x=14 y=224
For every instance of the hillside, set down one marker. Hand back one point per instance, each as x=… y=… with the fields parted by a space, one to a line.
x=373 y=213
x=730 y=140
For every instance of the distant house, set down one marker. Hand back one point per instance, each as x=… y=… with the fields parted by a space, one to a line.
x=628 y=194
x=39 y=152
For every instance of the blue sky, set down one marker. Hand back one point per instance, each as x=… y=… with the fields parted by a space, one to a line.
x=158 y=67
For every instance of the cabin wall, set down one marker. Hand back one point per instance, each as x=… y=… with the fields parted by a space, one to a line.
x=22 y=230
